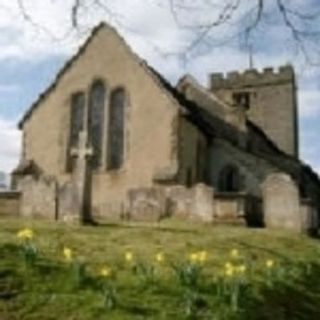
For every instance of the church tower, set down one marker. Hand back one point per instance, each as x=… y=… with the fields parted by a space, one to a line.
x=270 y=99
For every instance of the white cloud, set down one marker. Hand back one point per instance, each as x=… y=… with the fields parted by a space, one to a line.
x=9 y=145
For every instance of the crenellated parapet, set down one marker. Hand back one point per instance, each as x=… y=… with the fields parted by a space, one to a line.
x=251 y=77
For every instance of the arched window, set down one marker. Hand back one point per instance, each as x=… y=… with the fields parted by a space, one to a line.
x=229 y=179
x=76 y=125
x=116 y=129
x=96 y=121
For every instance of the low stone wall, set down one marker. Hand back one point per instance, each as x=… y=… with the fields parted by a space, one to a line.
x=230 y=207
x=9 y=203
x=199 y=203
x=156 y=203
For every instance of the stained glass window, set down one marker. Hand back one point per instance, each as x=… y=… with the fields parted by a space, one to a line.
x=116 y=129
x=96 y=121
x=76 y=125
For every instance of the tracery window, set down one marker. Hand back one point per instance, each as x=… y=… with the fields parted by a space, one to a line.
x=76 y=125
x=242 y=99
x=96 y=121
x=116 y=129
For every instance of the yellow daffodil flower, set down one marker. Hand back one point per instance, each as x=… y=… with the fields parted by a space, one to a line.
x=234 y=253
x=67 y=253
x=269 y=263
x=159 y=257
x=242 y=269
x=25 y=234
x=193 y=257
x=105 y=272
x=228 y=265
x=128 y=256
x=203 y=256
x=229 y=272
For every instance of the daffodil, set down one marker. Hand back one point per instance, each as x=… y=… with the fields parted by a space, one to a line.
x=105 y=272
x=193 y=257
x=234 y=253
x=242 y=269
x=269 y=263
x=159 y=257
x=203 y=256
x=228 y=265
x=25 y=234
x=128 y=256
x=229 y=272
x=67 y=253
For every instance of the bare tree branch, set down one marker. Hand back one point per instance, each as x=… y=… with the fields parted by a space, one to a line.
x=75 y=12
x=204 y=19
x=28 y=17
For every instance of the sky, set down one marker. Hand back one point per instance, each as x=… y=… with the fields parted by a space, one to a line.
x=32 y=52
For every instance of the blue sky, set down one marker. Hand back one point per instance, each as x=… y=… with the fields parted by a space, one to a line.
x=30 y=58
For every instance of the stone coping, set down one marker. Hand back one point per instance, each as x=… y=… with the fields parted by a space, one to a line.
x=230 y=195
x=306 y=201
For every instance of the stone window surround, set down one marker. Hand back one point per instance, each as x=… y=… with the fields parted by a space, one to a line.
x=104 y=163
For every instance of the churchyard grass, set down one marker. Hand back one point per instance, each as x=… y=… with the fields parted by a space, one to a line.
x=171 y=270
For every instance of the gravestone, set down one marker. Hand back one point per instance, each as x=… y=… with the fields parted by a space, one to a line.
x=81 y=181
x=281 y=202
x=147 y=204
x=203 y=204
x=38 y=196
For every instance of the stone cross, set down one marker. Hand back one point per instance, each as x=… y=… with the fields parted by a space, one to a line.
x=82 y=179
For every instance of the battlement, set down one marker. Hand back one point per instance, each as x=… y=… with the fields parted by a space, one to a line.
x=251 y=77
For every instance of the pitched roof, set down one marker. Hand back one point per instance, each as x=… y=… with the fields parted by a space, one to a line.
x=216 y=127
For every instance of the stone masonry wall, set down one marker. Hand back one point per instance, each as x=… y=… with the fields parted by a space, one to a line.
x=154 y=204
x=193 y=154
x=252 y=170
x=150 y=122
x=9 y=203
x=273 y=102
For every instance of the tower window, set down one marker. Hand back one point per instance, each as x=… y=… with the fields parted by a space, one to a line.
x=241 y=99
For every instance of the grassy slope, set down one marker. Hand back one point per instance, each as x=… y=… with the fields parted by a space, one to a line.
x=46 y=291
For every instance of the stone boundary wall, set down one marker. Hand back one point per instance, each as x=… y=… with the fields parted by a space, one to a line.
x=199 y=203
x=9 y=203
x=156 y=203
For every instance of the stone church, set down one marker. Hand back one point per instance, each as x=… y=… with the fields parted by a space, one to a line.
x=111 y=139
